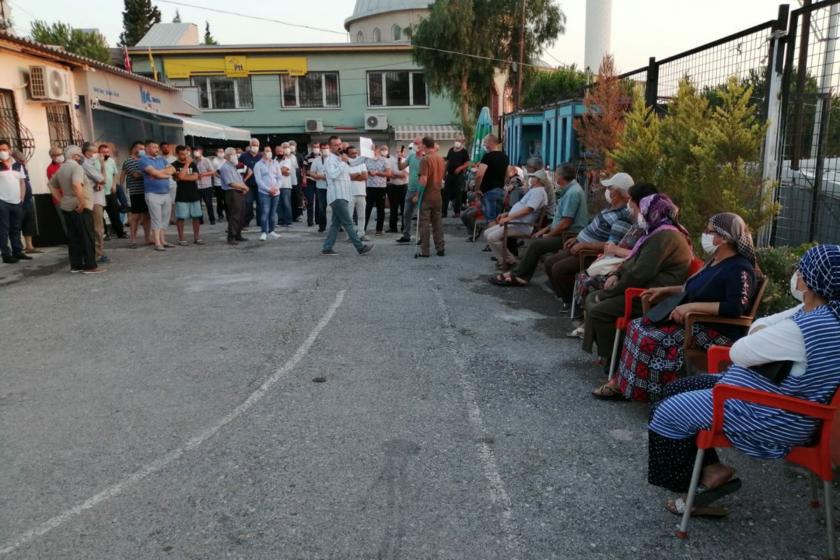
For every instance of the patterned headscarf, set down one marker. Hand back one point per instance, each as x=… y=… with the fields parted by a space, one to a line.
x=660 y=213
x=820 y=270
x=733 y=228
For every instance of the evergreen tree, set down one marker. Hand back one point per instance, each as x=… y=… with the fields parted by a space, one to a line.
x=208 y=37
x=601 y=126
x=138 y=18
x=83 y=43
x=547 y=87
x=639 y=152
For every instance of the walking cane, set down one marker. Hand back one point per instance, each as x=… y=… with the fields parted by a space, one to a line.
x=419 y=204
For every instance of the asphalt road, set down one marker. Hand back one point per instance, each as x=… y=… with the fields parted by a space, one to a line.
x=167 y=409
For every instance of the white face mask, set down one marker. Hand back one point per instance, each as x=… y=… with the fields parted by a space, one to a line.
x=197 y=155
x=316 y=151
x=254 y=149
x=58 y=159
x=293 y=149
x=384 y=153
x=707 y=240
x=4 y=155
x=796 y=293
x=220 y=155
x=607 y=196
x=640 y=220
x=233 y=159
x=458 y=145
x=267 y=155
x=287 y=151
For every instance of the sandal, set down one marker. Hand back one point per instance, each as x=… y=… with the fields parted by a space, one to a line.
x=677 y=507
x=507 y=281
x=607 y=392
x=704 y=497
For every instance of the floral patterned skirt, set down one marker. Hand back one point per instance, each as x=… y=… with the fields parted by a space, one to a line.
x=652 y=356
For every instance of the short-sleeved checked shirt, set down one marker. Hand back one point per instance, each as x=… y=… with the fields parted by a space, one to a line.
x=608 y=226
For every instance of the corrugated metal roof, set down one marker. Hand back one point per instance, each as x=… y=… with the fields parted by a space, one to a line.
x=168 y=34
x=64 y=56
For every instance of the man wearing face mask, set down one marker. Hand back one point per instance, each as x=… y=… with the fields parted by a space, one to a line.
x=138 y=212
x=284 y=206
x=236 y=192
x=412 y=162
x=206 y=172
x=297 y=191
x=457 y=161
x=609 y=226
x=317 y=171
x=309 y=187
x=12 y=194
x=74 y=192
x=157 y=174
x=378 y=173
x=249 y=159
x=112 y=206
x=338 y=196
x=56 y=159
x=94 y=173
x=167 y=153
x=358 y=188
x=218 y=161
x=490 y=177
x=397 y=185
x=268 y=175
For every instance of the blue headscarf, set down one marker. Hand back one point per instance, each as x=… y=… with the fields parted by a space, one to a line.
x=820 y=270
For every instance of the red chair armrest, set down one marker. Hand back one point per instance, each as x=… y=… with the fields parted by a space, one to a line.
x=717 y=355
x=629 y=295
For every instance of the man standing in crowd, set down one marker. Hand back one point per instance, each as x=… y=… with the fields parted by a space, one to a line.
x=218 y=161
x=268 y=175
x=138 y=212
x=457 y=161
x=187 y=199
x=608 y=226
x=169 y=156
x=249 y=159
x=431 y=178
x=75 y=194
x=284 y=206
x=12 y=193
x=236 y=193
x=396 y=190
x=378 y=171
x=157 y=173
x=93 y=172
x=338 y=197
x=56 y=160
x=310 y=186
x=297 y=193
x=206 y=172
x=358 y=188
x=112 y=205
x=412 y=162
x=490 y=177
x=318 y=171
x=27 y=223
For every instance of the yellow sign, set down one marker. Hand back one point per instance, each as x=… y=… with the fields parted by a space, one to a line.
x=234 y=66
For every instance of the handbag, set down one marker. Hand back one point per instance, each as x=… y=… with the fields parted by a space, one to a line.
x=604 y=266
x=662 y=310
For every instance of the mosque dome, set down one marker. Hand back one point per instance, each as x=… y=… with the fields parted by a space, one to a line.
x=375 y=21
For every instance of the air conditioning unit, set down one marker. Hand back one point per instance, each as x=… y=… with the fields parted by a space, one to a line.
x=376 y=121
x=48 y=84
x=314 y=125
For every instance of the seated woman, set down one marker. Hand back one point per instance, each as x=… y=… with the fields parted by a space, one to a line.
x=652 y=355
x=809 y=339
x=660 y=258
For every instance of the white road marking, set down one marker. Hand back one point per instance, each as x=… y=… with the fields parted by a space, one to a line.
x=161 y=462
x=498 y=493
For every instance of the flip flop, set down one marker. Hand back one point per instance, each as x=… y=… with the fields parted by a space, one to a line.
x=607 y=393
x=500 y=280
x=677 y=507
x=706 y=496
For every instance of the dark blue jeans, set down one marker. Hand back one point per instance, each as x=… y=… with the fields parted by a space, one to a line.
x=268 y=209
x=250 y=199
x=321 y=209
x=341 y=218
x=11 y=216
x=491 y=203
x=309 y=195
x=284 y=208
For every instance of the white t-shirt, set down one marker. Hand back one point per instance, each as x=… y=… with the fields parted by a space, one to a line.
x=295 y=167
x=173 y=184
x=286 y=180
x=10 y=184
x=358 y=188
x=776 y=338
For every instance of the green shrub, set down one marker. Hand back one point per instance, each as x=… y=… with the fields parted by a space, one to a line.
x=777 y=264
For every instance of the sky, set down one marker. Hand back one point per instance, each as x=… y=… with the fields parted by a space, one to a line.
x=640 y=28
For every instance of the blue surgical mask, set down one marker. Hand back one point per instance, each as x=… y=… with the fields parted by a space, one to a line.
x=142 y=153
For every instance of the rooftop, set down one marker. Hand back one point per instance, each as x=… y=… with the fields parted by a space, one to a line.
x=164 y=34
x=367 y=8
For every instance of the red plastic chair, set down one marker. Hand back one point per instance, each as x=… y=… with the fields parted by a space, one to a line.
x=815 y=458
x=630 y=294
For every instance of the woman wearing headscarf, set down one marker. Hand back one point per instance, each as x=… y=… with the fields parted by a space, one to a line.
x=652 y=355
x=661 y=257
x=807 y=340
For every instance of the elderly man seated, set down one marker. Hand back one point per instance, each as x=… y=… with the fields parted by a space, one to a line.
x=520 y=219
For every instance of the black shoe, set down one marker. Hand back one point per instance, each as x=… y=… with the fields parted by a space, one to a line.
x=441 y=253
x=418 y=243
x=366 y=249
x=392 y=231
x=404 y=239
x=123 y=236
x=321 y=230
x=22 y=257
x=328 y=252
x=10 y=260
x=240 y=238
x=213 y=223
x=233 y=242
x=421 y=256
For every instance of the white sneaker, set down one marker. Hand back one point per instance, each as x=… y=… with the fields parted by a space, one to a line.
x=274 y=235
x=263 y=237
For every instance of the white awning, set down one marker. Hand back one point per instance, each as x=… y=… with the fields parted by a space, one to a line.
x=214 y=131
x=437 y=131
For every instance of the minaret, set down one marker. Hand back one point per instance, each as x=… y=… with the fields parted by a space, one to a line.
x=598 y=32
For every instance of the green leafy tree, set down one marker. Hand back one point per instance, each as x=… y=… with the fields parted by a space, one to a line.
x=639 y=152
x=547 y=87
x=77 y=41
x=489 y=31
x=138 y=17
x=208 y=37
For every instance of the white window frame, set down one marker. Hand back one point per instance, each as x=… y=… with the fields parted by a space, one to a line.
x=235 y=81
x=323 y=91
x=411 y=104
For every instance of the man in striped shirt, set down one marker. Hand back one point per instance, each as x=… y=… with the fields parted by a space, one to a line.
x=607 y=227
x=138 y=211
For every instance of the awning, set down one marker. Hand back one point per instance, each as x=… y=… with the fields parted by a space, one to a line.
x=436 y=131
x=191 y=126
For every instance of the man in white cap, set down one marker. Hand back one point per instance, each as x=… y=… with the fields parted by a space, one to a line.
x=609 y=226
x=520 y=220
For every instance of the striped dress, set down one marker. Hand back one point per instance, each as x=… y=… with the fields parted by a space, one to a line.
x=757 y=430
